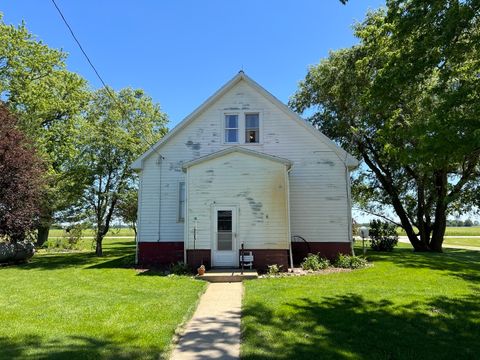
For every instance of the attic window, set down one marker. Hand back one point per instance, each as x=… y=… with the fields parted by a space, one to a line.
x=231 y=128
x=252 y=128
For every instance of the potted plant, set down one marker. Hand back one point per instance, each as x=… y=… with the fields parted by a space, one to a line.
x=201 y=270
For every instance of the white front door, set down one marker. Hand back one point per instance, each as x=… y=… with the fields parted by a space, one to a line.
x=224 y=249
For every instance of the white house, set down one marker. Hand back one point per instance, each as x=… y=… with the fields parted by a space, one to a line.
x=243 y=170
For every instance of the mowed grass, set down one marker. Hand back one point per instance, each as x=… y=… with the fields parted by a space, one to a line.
x=90 y=232
x=454 y=231
x=463 y=241
x=77 y=306
x=407 y=306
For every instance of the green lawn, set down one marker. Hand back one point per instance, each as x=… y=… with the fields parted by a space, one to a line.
x=455 y=231
x=407 y=306
x=77 y=306
x=91 y=232
x=462 y=241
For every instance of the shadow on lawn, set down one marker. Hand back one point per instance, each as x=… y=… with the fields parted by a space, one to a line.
x=349 y=326
x=117 y=255
x=464 y=264
x=73 y=347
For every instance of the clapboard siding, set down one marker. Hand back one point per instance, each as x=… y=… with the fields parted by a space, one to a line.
x=318 y=189
x=256 y=186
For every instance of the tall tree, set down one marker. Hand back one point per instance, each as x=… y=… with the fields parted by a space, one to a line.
x=127 y=207
x=120 y=126
x=21 y=174
x=46 y=98
x=406 y=100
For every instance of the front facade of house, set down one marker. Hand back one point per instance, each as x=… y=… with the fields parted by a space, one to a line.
x=243 y=171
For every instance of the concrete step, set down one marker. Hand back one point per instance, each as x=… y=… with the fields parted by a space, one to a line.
x=228 y=275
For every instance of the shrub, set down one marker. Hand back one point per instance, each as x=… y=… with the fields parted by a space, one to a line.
x=314 y=262
x=350 y=262
x=73 y=235
x=180 y=268
x=384 y=235
x=274 y=269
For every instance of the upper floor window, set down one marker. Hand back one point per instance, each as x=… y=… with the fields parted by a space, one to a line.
x=242 y=128
x=231 y=128
x=252 y=128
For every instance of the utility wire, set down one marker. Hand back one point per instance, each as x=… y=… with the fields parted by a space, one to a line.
x=109 y=92
x=81 y=48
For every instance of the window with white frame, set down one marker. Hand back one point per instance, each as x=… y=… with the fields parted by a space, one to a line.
x=252 y=128
x=231 y=128
x=181 y=201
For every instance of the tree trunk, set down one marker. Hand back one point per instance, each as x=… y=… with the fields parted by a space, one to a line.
x=440 y=224
x=43 y=228
x=42 y=234
x=438 y=231
x=98 y=245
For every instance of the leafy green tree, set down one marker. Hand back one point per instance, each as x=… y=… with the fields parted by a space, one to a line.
x=406 y=100
x=127 y=207
x=119 y=127
x=46 y=98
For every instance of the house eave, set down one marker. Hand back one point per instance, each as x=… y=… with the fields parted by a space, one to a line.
x=237 y=149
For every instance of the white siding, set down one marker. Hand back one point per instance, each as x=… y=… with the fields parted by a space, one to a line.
x=255 y=186
x=318 y=188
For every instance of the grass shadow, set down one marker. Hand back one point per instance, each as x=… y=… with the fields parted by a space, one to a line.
x=126 y=261
x=349 y=326
x=73 y=347
x=464 y=264
x=119 y=254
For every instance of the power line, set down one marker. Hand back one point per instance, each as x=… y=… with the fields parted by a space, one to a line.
x=109 y=92
x=81 y=47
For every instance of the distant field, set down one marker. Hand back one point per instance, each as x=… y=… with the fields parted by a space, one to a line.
x=56 y=244
x=91 y=232
x=455 y=231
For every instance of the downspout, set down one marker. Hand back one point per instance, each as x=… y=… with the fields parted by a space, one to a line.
x=139 y=206
x=289 y=233
x=160 y=162
x=185 y=220
x=349 y=207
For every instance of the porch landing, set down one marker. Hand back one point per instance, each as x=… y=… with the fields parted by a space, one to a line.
x=228 y=275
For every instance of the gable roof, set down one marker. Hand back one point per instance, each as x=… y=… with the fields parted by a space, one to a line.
x=236 y=149
x=349 y=161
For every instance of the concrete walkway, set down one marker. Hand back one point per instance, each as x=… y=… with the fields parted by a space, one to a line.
x=214 y=330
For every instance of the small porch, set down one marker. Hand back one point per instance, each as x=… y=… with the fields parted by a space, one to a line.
x=228 y=275
x=237 y=199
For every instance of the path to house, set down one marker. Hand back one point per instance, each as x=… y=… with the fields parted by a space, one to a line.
x=405 y=240
x=214 y=330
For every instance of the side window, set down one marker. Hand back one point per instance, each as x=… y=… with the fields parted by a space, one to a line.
x=181 y=201
x=252 y=128
x=231 y=128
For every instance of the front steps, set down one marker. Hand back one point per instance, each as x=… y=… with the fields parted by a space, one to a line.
x=228 y=275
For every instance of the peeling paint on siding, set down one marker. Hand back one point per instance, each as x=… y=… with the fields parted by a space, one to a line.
x=326 y=162
x=193 y=145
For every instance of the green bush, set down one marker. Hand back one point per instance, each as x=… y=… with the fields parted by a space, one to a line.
x=180 y=268
x=314 y=262
x=73 y=235
x=56 y=244
x=274 y=269
x=350 y=262
x=383 y=234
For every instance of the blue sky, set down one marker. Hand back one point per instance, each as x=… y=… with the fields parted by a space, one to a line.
x=180 y=52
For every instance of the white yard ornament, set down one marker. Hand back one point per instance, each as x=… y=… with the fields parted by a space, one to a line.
x=363 y=234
